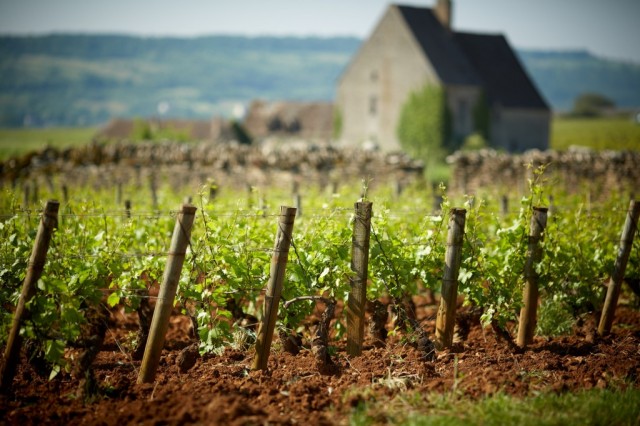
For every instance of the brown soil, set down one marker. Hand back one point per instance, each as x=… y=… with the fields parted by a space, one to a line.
x=223 y=389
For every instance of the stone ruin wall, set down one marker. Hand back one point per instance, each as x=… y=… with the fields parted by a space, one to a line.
x=230 y=165
x=574 y=170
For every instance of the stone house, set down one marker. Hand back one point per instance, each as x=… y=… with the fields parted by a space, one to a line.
x=412 y=47
x=289 y=119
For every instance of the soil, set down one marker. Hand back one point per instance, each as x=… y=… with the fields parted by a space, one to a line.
x=224 y=390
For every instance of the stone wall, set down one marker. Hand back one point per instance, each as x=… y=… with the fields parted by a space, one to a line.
x=572 y=170
x=194 y=164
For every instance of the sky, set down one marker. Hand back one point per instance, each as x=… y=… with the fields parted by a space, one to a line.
x=607 y=28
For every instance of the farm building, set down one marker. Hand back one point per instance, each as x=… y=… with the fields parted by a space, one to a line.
x=414 y=47
x=288 y=119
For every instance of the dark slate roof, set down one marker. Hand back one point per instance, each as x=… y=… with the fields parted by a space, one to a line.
x=473 y=59
x=504 y=78
x=448 y=60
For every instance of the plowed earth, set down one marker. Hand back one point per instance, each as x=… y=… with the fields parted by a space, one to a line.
x=224 y=390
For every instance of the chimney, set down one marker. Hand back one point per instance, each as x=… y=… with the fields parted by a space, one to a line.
x=443 y=11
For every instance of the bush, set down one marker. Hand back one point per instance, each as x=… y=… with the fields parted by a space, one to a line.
x=424 y=126
x=591 y=105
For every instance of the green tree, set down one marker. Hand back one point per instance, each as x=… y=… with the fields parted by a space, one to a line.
x=424 y=126
x=591 y=104
x=240 y=133
x=482 y=116
x=337 y=123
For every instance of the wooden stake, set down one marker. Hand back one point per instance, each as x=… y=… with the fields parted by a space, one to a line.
x=357 y=301
x=37 y=260
x=274 y=288
x=297 y=201
x=529 y=312
x=36 y=191
x=167 y=294
x=437 y=203
x=26 y=199
x=624 y=251
x=119 y=193
x=153 y=186
x=504 y=205
x=445 y=321
x=127 y=208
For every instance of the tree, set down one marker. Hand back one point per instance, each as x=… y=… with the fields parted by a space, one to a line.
x=591 y=105
x=424 y=126
x=240 y=133
x=337 y=123
x=482 y=116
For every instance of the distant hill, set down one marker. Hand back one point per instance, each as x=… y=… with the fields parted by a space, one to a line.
x=563 y=75
x=88 y=79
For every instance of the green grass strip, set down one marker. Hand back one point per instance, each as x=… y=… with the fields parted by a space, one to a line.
x=589 y=407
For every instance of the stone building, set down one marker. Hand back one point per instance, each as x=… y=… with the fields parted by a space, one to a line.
x=289 y=119
x=412 y=47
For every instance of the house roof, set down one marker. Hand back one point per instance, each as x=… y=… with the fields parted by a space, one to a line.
x=505 y=80
x=448 y=60
x=473 y=59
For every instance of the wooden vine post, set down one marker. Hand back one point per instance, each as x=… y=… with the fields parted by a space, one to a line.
x=297 y=201
x=528 y=313
x=48 y=223
x=357 y=301
x=127 y=208
x=274 y=288
x=445 y=320
x=624 y=251
x=164 y=305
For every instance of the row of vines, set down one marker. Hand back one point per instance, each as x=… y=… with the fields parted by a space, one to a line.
x=101 y=258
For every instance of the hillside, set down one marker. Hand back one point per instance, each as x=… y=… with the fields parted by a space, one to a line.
x=563 y=75
x=88 y=79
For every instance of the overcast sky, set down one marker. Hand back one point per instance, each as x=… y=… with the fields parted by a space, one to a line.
x=609 y=28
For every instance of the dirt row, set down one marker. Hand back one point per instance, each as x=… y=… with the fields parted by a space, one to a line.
x=224 y=390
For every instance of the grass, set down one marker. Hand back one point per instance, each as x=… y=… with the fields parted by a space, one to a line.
x=16 y=142
x=589 y=407
x=616 y=133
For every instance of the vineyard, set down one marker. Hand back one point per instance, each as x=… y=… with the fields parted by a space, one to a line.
x=364 y=303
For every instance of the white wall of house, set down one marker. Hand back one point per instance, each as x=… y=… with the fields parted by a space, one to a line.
x=517 y=130
x=387 y=68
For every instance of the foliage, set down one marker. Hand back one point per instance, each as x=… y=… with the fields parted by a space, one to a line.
x=100 y=256
x=240 y=133
x=554 y=319
x=474 y=142
x=591 y=105
x=491 y=274
x=423 y=128
x=148 y=130
x=337 y=123
x=482 y=117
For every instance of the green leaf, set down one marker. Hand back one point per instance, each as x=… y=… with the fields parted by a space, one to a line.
x=113 y=299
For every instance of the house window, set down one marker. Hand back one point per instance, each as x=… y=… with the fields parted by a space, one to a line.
x=463 y=113
x=373 y=105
